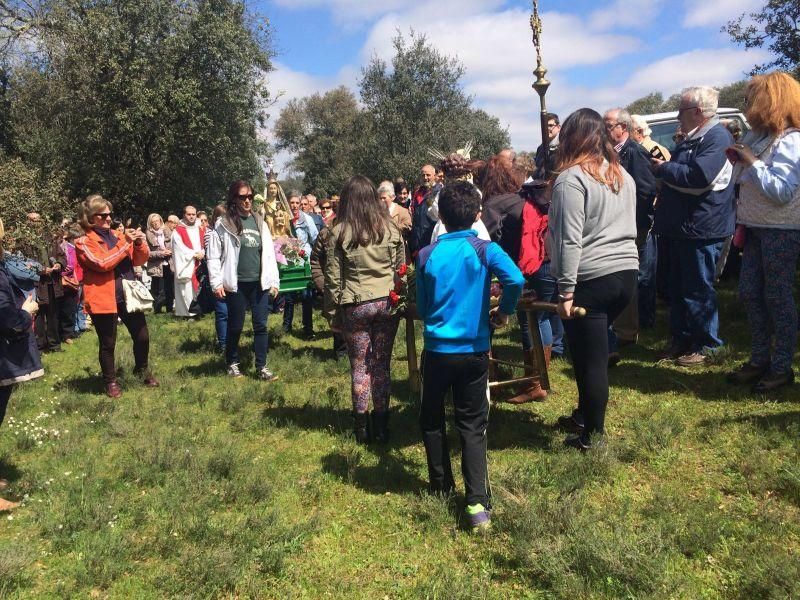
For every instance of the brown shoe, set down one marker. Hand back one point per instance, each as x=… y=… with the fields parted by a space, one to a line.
x=693 y=359
x=773 y=381
x=113 y=390
x=534 y=393
x=746 y=373
x=150 y=381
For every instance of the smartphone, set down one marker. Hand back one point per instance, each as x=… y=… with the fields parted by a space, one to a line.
x=655 y=152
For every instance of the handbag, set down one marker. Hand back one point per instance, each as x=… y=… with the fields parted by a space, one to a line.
x=137 y=297
x=70 y=282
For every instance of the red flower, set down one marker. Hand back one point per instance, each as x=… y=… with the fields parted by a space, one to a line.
x=394 y=298
x=302 y=253
x=402 y=270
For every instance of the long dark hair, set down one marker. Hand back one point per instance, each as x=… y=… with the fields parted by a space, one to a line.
x=584 y=141
x=361 y=215
x=230 y=204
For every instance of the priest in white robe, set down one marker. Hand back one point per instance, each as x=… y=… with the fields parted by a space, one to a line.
x=187 y=252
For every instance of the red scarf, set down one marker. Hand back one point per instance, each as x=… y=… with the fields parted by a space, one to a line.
x=532 y=252
x=183 y=232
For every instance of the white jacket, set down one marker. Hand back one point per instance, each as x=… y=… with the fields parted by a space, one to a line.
x=222 y=256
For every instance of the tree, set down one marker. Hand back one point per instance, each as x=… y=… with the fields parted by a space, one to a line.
x=416 y=105
x=152 y=103
x=730 y=96
x=654 y=103
x=777 y=26
x=325 y=133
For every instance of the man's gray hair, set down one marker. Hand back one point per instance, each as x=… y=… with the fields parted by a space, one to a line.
x=640 y=123
x=623 y=118
x=386 y=187
x=293 y=194
x=704 y=97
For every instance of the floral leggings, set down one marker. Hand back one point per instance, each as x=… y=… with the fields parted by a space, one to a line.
x=369 y=329
x=769 y=262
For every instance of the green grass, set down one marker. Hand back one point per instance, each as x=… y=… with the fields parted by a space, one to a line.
x=213 y=488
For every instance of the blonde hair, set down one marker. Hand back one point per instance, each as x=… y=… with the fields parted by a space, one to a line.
x=90 y=207
x=773 y=102
x=150 y=218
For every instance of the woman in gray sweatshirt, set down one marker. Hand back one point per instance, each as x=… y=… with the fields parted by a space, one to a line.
x=593 y=258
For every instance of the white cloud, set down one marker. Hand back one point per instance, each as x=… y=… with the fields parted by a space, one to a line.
x=351 y=13
x=626 y=14
x=715 y=13
x=496 y=50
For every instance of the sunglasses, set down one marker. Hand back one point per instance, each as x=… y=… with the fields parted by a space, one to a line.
x=104 y=215
x=326 y=208
x=245 y=197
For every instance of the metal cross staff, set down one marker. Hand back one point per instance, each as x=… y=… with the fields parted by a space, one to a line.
x=541 y=84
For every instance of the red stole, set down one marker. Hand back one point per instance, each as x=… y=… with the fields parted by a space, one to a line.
x=184 y=235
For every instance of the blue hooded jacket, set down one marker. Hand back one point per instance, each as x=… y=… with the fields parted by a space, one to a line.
x=453 y=284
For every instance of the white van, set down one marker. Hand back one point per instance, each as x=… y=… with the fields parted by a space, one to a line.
x=664 y=125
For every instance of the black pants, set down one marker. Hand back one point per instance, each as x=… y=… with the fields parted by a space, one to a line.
x=159 y=292
x=67 y=313
x=169 y=287
x=46 y=324
x=339 y=344
x=467 y=375
x=106 y=328
x=5 y=394
x=604 y=298
x=307 y=299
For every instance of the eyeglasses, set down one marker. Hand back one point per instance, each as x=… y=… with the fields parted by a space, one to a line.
x=104 y=215
x=244 y=197
x=552 y=125
x=611 y=126
x=680 y=110
x=326 y=207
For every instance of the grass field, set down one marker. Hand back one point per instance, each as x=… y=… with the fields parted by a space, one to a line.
x=213 y=488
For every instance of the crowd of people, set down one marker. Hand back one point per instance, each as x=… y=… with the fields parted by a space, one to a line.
x=588 y=224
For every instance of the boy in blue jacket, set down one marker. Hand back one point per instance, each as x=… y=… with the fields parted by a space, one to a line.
x=453 y=278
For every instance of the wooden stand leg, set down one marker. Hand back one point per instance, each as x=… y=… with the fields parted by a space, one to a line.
x=537 y=351
x=411 y=356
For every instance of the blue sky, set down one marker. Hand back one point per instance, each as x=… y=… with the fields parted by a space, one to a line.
x=599 y=53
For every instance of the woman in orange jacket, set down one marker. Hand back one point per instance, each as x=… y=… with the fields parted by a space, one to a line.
x=107 y=257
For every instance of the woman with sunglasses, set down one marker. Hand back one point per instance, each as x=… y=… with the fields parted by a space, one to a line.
x=107 y=257
x=327 y=213
x=243 y=271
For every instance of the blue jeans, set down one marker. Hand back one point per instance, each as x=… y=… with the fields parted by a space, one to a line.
x=221 y=321
x=648 y=259
x=551 y=329
x=80 y=316
x=249 y=295
x=307 y=298
x=693 y=314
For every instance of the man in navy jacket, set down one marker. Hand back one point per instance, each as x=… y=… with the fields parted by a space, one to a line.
x=696 y=212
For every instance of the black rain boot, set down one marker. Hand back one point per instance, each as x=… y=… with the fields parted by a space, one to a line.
x=360 y=429
x=380 y=426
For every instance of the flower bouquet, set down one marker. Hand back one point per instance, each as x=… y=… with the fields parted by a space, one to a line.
x=293 y=264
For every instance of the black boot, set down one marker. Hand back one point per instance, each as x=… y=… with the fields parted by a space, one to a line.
x=360 y=427
x=380 y=426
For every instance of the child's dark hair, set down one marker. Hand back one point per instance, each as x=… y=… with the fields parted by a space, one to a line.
x=459 y=205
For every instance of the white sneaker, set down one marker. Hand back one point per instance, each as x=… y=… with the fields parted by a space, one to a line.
x=233 y=370
x=266 y=375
